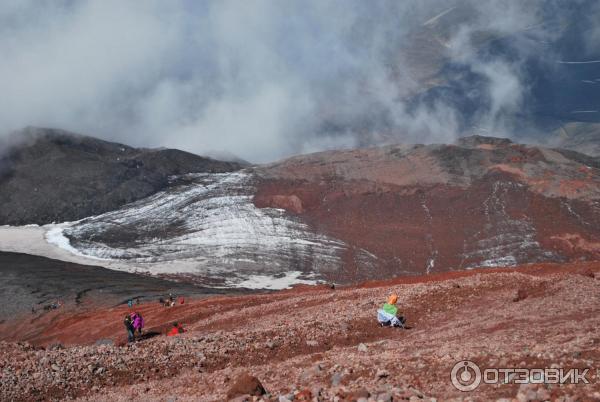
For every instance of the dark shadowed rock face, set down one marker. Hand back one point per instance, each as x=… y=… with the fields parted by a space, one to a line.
x=32 y=283
x=53 y=175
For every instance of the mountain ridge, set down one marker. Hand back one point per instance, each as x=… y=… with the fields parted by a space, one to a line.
x=49 y=175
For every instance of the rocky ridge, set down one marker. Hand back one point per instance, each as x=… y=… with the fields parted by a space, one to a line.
x=49 y=175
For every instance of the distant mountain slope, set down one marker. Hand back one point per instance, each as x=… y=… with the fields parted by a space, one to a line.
x=353 y=215
x=580 y=137
x=54 y=175
x=480 y=202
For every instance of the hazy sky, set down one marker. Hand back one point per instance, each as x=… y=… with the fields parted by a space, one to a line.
x=259 y=79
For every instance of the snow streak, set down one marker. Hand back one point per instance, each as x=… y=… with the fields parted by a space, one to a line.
x=210 y=221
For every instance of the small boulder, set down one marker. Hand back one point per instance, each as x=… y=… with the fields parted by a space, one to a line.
x=521 y=295
x=359 y=394
x=241 y=398
x=362 y=347
x=336 y=379
x=384 y=397
x=304 y=395
x=246 y=384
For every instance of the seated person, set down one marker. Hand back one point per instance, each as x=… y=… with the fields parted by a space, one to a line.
x=388 y=314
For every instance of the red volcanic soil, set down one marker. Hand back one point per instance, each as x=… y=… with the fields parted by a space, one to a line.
x=423 y=209
x=322 y=343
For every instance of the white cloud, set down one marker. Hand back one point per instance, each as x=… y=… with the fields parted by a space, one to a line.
x=259 y=78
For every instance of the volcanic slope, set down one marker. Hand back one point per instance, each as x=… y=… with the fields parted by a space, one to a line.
x=49 y=175
x=420 y=209
x=317 y=342
x=363 y=214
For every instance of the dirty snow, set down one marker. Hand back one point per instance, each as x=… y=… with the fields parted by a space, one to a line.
x=207 y=226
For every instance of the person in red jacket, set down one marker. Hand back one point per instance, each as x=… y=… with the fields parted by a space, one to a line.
x=176 y=330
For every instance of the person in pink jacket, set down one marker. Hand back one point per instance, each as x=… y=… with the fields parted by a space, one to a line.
x=138 y=322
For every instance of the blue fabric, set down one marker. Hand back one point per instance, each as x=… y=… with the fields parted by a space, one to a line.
x=385 y=317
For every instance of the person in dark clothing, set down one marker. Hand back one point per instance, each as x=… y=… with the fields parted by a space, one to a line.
x=129 y=326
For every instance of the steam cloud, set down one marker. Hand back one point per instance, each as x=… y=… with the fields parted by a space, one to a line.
x=259 y=79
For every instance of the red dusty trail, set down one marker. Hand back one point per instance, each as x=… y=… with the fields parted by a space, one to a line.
x=307 y=338
x=87 y=323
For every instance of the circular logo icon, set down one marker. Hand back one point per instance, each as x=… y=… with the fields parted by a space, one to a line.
x=465 y=376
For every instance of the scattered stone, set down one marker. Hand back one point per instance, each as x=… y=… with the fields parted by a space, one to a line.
x=246 y=384
x=384 y=397
x=312 y=343
x=362 y=347
x=521 y=295
x=543 y=394
x=382 y=373
x=360 y=393
x=304 y=396
x=336 y=379
x=241 y=398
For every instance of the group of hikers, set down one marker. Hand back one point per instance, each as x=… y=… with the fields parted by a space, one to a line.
x=388 y=316
x=170 y=301
x=52 y=306
x=134 y=322
x=130 y=302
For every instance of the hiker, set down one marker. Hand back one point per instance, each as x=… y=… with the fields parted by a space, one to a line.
x=130 y=303
x=129 y=326
x=176 y=330
x=388 y=314
x=137 y=301
x=138 y=322
x=181 y=300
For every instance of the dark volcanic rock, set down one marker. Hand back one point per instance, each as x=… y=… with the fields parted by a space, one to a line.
x=36 y=282
x=54 y=175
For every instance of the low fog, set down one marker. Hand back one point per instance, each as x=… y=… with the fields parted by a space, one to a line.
x=266 y=79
